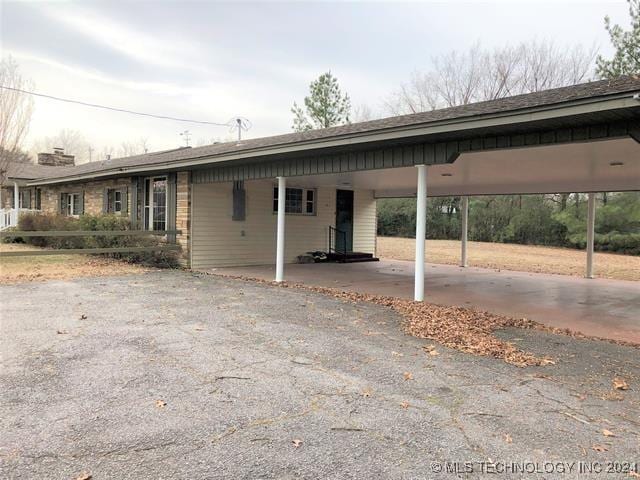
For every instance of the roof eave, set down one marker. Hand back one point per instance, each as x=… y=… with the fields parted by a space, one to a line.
x=524 y=115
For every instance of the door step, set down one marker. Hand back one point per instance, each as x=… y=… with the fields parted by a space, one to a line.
x=351 y=257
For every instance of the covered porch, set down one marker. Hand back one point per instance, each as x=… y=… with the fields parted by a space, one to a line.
x=587 y=167
x=599 y=307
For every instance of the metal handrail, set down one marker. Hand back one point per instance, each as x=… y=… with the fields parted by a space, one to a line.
x=333 y=236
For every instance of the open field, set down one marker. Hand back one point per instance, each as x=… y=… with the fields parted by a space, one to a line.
x=58 y=267
x=524 y=258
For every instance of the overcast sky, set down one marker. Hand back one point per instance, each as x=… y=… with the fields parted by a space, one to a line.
x=213 y=61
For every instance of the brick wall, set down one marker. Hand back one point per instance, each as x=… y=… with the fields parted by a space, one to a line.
x=183 y=214
x=93 y=202
x=93 y=194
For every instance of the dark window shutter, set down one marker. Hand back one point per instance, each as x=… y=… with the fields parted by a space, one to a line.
x=172 y=204
x=63 y=203
x=80 y=203
x=124 y=195
x=134 y=203
x=26 y=201
x=239 y=201
x=105 y=201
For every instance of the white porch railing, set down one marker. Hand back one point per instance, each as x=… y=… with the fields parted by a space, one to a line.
x=9 y=216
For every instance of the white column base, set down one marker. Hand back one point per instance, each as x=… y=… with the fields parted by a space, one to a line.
x=591 y=225
x=282 y=188
x=465 y=231
x=421 y=231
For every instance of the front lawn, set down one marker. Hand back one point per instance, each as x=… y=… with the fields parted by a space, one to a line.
x=58 y=267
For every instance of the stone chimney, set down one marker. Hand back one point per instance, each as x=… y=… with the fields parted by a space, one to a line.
x=56 y=159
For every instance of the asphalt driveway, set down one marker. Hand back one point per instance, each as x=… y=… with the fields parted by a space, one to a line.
x=175 y=375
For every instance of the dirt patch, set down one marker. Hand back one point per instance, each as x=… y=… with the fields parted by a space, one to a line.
x=464 y=329
x=58 y=267
x=522 y=258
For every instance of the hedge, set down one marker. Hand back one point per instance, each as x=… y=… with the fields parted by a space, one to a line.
x=54 y=222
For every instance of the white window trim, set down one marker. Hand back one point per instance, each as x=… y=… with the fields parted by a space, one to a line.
x=116 y=202
x=71 y=197
x=304 y=201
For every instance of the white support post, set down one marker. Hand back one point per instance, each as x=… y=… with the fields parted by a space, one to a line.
x=16 y=203
x=421 y=230
x=282 y=188
x=591 y=225
x=465 y=231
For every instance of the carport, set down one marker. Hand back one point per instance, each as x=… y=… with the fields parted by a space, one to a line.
x=583 y=138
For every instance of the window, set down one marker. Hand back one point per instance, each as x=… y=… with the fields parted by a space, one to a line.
x=71 y=204
x=25 y=198
x=115 y=201
x=299 y=201
x=156 y=203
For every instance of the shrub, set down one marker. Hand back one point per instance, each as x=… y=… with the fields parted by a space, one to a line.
x=54 y=222
x=627 y=243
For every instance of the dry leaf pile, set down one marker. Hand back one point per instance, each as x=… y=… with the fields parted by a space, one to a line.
x=459 y=328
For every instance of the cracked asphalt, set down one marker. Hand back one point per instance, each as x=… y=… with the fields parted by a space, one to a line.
x=175 y=375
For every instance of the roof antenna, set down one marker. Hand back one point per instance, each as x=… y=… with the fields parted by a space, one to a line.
x=187 y=137
x=239 y=123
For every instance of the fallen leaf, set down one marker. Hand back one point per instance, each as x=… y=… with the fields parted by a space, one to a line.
x=84 y=476
x=408 y=376
x=613 y=396
x=397 y=354
x=296 y=442
x=405 y=405
x=608 y=433
x=599 y=448
x=61 y=332
x=634 y=474
x=431 y=350
x=83 y=317
x=620 y=383
x=161 y=403
x=547 y=361
x=366 y=392
x=507 y=438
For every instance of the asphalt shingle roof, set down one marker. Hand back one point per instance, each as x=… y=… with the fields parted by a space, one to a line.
x=510 y=104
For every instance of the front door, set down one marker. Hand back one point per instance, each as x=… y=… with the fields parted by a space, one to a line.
x=344 y=220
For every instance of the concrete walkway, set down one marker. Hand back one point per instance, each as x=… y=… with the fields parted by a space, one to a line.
x=599 y=307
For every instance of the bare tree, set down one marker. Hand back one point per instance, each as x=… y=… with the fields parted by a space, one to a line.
x=16 y=109
x=362 y=113
x=136 y=147
x=72 y=141
x=417 y=95
x=480 y=74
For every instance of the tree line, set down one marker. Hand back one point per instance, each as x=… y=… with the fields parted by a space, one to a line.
x=552 y=220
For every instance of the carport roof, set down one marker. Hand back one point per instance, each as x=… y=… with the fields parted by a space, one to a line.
x=314 y=139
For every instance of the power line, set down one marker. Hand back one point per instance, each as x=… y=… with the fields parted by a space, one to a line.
x=114 y=109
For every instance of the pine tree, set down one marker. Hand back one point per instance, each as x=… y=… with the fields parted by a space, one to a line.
x=626 y=60
x=326 y=106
